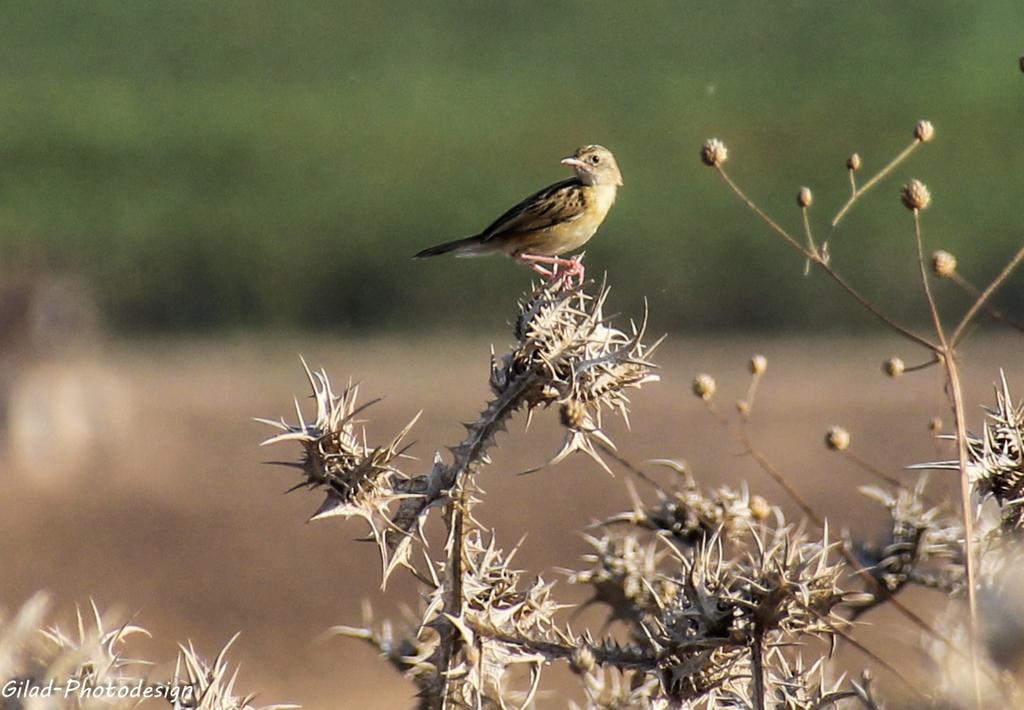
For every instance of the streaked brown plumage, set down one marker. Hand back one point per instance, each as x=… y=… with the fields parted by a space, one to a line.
x=554 y=221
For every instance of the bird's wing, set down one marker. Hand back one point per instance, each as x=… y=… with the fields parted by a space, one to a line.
x=564 y=201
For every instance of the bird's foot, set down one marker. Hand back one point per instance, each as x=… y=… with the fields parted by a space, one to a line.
x=574 y=269
x=548 y=274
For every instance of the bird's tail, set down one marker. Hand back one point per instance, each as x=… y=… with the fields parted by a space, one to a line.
x=463 y=247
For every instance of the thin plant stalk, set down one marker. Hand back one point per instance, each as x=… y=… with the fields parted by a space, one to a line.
x=955 y=394
x=755 y=379
x=873 y=181
x=986 y=295
x=942 y=350
x=922 y=365
x=818 y=261
x=757 y=668
x=861 y=647
x=873 y=470
x=974 y=292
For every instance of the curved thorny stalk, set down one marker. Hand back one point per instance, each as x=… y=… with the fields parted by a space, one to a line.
x=915 y=197
x=565 y=353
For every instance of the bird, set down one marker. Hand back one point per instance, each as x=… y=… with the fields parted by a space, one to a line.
x=551 y=222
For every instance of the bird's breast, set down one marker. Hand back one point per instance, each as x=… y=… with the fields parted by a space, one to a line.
x=575 y=233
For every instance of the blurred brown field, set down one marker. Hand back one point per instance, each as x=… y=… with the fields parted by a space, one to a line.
x=159 y=507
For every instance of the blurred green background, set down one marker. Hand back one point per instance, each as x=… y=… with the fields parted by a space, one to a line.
x=208 y=164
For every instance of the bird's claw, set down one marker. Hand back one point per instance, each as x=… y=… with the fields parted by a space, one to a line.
x=574 y=273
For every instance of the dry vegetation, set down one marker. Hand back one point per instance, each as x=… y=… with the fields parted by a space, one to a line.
x=714 y=590
x=713 y=598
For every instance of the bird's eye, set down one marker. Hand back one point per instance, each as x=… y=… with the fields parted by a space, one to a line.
x=595 y=159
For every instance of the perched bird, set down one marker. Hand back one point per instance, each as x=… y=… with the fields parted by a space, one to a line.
x=557 y=220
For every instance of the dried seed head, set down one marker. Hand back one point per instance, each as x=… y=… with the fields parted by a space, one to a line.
x=837 y=438
x=943 y=264
x=935 y=425
x=743 y=407
x=759 y=508
x=924 y=131
x=921 y=544
x=704 y=386
x=915 y=195
x=804 y=198
x=853 y=162
x=690 y=515
x=893 y=367
x=758 y=364
x=199 y=678
x=713 y=152
x=1022 y=62
x=360 y=479
x=574 y=414
x=996 y=457
x=566 y=349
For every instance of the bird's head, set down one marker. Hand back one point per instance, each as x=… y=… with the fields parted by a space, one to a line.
x=595 y=165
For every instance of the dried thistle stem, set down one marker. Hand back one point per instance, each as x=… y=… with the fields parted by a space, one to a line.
x=811 y=246
x=780 y=479
x=955 y=393
x=757 y=667
x=631 y=467
x=606 y=654
x=870 y=307
x=466 y=456
x=450 y=639
x=755 y=379
x=926 y=284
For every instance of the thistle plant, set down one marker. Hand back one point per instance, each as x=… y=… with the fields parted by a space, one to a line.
x=713 y=599
x=996 y=458
x=710 y=590
x=565 y=354
x=87 y=668
x=211 y=684
x=923 y=545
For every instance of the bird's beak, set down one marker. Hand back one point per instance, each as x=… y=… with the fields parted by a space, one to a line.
x=574 y=162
